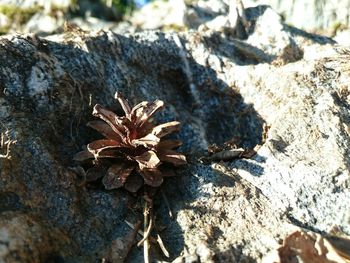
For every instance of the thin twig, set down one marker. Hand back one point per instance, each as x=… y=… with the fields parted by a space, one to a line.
x=167 y=204
x=145 y=227
x=147 y=233
x=7 y=155
x=152 y=239
x=162 y=247
x=132 y=227
x=6 y=142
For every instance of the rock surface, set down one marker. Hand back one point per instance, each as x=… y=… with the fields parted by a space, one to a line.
x=326 y=16
x=280 y=90
x=47 y=4
x=311 y=14
x=308 y=15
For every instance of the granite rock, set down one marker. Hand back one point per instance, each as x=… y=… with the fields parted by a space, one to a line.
x=292 y=109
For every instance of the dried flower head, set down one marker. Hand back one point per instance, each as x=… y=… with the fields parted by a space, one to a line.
x=136 y=146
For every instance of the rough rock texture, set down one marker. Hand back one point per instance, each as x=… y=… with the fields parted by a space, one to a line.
x=25 y=238
x=309 y=15
x=47 y=17
x=43 y=3
x=220 y=88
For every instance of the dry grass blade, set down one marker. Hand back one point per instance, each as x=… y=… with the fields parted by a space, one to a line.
x=145 y=224
x=162 y=247
x=147 y=233
x=151 y=239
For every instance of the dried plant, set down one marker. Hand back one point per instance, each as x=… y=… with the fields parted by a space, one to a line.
x=137 y=148
x=6 y=143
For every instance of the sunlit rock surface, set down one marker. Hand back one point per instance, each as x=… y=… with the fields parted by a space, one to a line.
x=285 y=94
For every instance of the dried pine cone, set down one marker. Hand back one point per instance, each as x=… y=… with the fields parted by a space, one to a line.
x=135 y=145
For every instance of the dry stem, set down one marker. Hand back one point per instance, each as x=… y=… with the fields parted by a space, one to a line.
x=147 y=233
x=162 y=247
x=6 y=142
x=146 y=213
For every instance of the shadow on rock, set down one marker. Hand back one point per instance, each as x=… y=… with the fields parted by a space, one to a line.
x=233 y=254
x=50 y=94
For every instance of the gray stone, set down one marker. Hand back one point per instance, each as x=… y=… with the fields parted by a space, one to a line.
x=159 y=14
x=343 y=37
x=310 y=15
x=292 y=108
x=42 y=23
x=47 y=4
x=4 y=21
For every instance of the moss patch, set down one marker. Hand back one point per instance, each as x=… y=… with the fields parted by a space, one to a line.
x=4 y=30
x=19 y=15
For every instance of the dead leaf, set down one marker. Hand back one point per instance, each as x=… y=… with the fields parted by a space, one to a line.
x=302 y=247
